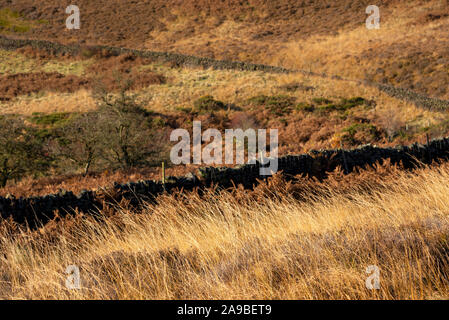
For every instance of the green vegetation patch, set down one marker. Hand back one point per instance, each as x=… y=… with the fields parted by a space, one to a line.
x=321 y=101
x=360 y=133
x=76 y=68
x=208 y=104
x=346 y=104
x=13 y=22
x=323 y=105
x=278 y=105
x=305 y=107
x=51 y=119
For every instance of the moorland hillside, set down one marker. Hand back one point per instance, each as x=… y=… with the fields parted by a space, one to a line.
x=80 y=120
x=324 y=36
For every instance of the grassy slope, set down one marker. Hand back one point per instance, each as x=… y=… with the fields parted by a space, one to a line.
x=247 y=246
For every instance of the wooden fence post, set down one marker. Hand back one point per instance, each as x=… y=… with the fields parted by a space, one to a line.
x=163 y=173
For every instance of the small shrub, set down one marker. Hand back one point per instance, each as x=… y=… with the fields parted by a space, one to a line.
x=208 y=104
x=184 y=109
x=391 y=122
x=325 y=105
x=43 y=134
x=359 y=133
x=89 y=52
x=295 y=86
x=21 y=153
x=321 y=101
x=258 y=100
x=306 y=107
x=346 y=104
x=158 y=122
x=278 y=105
x=328 y=107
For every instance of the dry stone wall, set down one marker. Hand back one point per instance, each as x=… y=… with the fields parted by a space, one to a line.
x=419 y=100
x=35 y=211
x=176 y=59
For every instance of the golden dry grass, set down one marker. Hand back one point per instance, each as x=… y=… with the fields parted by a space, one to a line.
x=13 y=62
x=50 y=102
x=237 y=246
x=235 y=87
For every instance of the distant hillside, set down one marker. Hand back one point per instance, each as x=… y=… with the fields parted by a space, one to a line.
x=325 y=36
x=194 y=24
